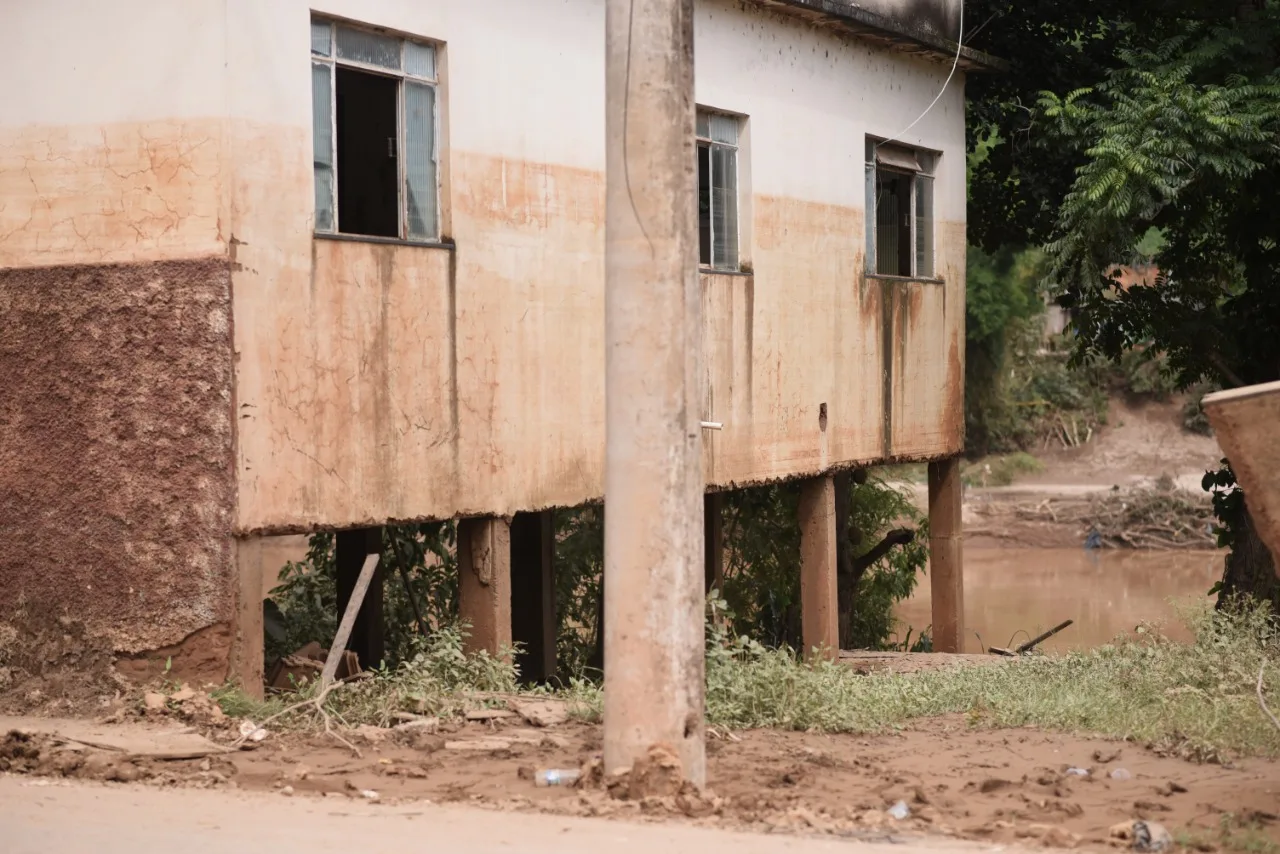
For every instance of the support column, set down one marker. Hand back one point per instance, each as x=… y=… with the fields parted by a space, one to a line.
x=819 y=614
x=246 y=666
x=368 y=635
x=713 y=535
x=654 y=667
x=533 y=594
x=946 y=558
x=484 y=582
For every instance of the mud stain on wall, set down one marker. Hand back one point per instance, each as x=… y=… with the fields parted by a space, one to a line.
x=429 y=382
x=116 y=482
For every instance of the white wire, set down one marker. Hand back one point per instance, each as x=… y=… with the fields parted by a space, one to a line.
x=955 y=64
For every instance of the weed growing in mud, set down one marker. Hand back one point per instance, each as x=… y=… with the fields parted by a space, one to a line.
x=1243 y=834
x=1198 y=700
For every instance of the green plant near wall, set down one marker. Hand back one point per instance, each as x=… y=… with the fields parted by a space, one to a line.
x=579 y=568
x=762 y=563
x=420 y=583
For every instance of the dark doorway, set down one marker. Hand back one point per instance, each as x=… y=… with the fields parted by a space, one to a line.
x=368 y=153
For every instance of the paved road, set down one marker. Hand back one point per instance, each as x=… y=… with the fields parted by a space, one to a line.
x=48 y=817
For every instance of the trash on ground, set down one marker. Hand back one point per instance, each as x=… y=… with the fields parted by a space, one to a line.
x=556 y=777
x=252 y=732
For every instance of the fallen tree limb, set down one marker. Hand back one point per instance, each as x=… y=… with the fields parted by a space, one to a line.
x=327 y=683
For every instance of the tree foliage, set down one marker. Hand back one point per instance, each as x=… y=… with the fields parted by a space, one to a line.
x=1123 y=117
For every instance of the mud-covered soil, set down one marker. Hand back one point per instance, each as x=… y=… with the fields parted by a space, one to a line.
x=994 y=785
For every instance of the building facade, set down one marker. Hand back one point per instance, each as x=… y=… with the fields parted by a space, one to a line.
x=269 y=268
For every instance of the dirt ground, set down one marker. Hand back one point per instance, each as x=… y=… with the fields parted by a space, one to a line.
x=999 y=786
x=1141 y=442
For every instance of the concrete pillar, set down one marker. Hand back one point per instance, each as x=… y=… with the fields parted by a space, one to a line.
x=713 y=535
x=946 y=558
x=654 y=668
x=819 y=612
x=484 y=582
x=533 y=594
x=368 y=635
x=246 y=665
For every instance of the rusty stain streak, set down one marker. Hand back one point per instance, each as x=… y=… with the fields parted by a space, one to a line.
x=888 y=304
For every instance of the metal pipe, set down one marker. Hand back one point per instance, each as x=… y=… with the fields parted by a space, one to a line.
x=653 y=654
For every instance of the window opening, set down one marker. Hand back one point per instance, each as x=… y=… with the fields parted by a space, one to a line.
x=718 y=190
x=374 y=131
x=900 y=211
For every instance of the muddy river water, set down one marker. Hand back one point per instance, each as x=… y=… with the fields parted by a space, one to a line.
x=1012 y=592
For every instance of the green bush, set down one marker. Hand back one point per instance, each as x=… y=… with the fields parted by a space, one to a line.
x=762 y=563
x=1144 y=371
x=579 y=568
x=1193 y=418
x=304 y=607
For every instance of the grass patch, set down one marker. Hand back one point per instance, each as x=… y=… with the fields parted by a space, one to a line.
x=1242 y=834
x=1197 y=699
x=1001 y=470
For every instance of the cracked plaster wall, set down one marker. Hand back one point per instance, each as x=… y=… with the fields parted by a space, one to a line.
x=392 y=382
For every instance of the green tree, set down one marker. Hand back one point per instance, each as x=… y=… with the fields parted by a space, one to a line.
x=1123 y=117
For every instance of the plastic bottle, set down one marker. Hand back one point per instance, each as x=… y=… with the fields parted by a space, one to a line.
x=555 y=777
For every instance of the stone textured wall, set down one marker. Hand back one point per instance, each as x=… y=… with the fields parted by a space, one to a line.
x=117 y=493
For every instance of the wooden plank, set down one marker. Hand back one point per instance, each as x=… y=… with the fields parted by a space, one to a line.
x=368 y=634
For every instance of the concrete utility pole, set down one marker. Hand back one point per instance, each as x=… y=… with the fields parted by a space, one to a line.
x=654 y=668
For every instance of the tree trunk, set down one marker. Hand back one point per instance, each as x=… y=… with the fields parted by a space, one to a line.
x=1250 y=569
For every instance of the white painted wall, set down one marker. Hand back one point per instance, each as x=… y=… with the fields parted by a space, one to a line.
x=490 y=397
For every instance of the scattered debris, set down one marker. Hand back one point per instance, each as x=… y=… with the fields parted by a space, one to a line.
x=417 y=722
x=556 y=777
x=286 y=791
x=659 y=773
x=249 y=731
x=1027 y=647
x=490 y=715
x=369 y=794
x=1121 y=774
x=479 y=744
x=1077 y=772
x=899 y=811
x=540 y=713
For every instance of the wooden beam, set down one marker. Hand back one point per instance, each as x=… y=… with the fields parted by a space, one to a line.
x=247 y=651
x=946 y=555
x=484 y=582
x=819 y=613
x=713 y=532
